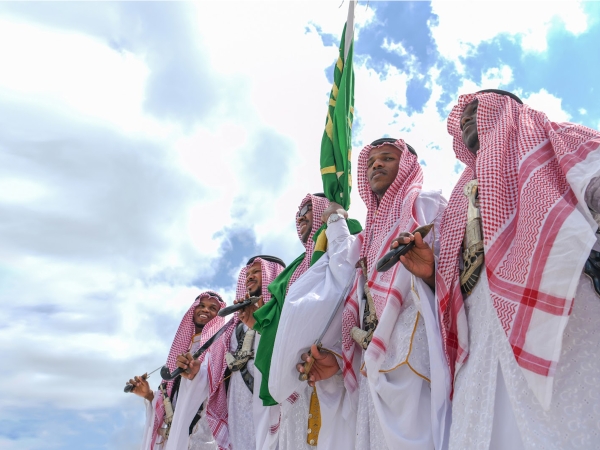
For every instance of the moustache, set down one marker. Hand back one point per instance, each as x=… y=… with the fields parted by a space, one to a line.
x=377 y=172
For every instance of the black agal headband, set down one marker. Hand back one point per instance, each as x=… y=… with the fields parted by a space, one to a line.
x=213 y=294
x=501 y=92
x=267 y=258
x=391 y=141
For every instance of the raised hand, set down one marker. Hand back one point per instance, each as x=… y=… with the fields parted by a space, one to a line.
x=333 y=208
x=419 y=260
x=325 y=365
x=189 y=365
x=246 y=314
x=141 y=387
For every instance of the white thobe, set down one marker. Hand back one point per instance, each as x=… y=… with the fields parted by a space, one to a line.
x=406 y=412
x=308 y=306
x=403 y=402
x=249 y=420
x=394 y=406
x=149 y=425
x=192 y=393
x=201 y=437
x=294 y=421
x=240 y=406
x=493 y=406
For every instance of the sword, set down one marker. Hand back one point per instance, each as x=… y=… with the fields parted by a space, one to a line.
x=130 y=387
x=233 y=308
x=390 y=259
x=167 y=375
x=307 y=365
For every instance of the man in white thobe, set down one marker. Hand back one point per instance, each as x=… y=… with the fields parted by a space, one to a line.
x=395 y=392
x=520 y=318
x=237 y=418
x=198 y=324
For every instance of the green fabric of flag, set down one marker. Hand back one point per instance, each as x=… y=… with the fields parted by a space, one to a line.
x=267 y=321
x=337 y=182
x=336 y=144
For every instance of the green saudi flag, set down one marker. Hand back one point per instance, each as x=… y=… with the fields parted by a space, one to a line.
x=336 y=145
x=335 y=170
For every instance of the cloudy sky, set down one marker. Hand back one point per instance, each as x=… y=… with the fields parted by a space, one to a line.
x=148 y=149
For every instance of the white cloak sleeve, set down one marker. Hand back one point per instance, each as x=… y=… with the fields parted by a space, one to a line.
x=240 y=416
x=411 y=399
x=441 y=406
x=192 y=393
x=149 y=425
x=266 y=418
x=308 y=306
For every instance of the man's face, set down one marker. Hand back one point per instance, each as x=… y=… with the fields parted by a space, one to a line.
x=254 y=279
x=468 y=125
x=206 y=311
x=305 y=221
x=382 y=168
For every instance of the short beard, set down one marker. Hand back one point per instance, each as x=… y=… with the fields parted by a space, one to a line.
x=256 y=293
x=306 y=236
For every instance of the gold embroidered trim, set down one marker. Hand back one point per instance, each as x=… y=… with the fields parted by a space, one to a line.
x=408 y=355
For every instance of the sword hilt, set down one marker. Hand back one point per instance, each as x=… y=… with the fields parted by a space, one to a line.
x=129 y=387
x=390 y=259
x=308 y=365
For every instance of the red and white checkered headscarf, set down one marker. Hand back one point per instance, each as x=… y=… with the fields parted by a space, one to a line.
x=319 y=205
x=395 y=209
x=216 y=410
x=537 y=232
x=181 y=344
x=269 y=270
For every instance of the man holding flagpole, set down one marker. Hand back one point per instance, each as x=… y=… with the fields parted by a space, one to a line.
x=309 y=302
x=386 y=342
x=319 y=271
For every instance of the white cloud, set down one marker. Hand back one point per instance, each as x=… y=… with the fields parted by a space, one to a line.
x=117 y=312
x=496 y=77
x=464 y=25
x=411 y=59
x=70 y=71
x=549 y=104
x=18 y=190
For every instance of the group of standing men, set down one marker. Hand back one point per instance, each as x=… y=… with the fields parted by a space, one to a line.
x=485 y=336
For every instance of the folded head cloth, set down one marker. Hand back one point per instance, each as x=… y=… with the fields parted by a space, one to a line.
x=531 y=174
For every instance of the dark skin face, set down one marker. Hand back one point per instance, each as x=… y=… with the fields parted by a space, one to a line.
x=205 y=312
x=254 y=279
x=382 y=168
x=305 y=222
x=254 y=287
x=468 y=125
